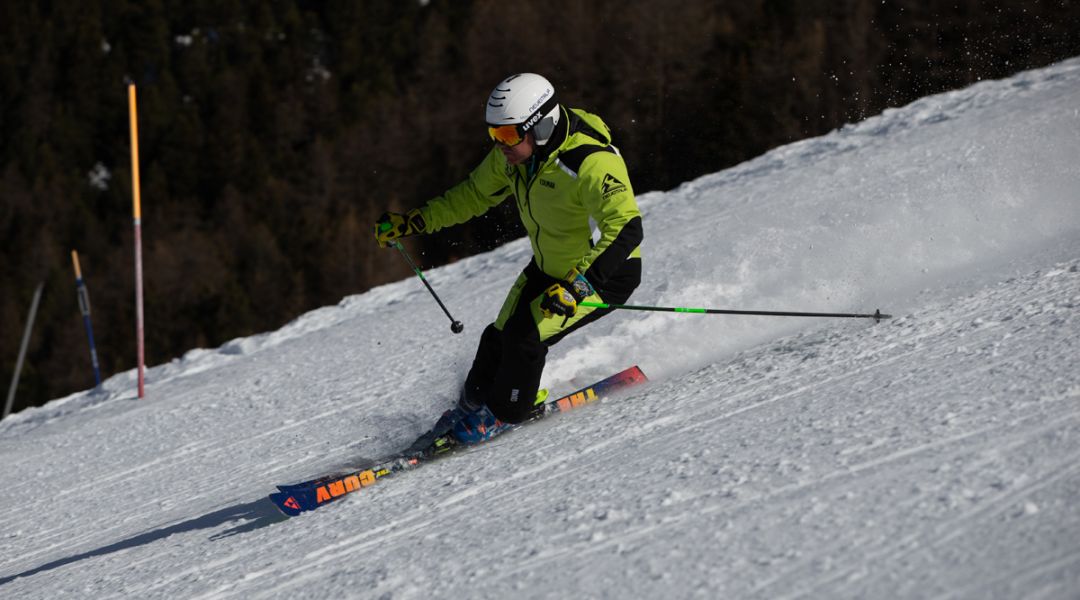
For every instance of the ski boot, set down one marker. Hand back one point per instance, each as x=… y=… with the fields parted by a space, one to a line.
x=478 y=426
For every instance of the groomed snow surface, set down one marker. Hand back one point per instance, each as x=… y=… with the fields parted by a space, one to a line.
x=933 y=455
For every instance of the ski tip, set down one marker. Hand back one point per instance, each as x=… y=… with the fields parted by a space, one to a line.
x=634 y=374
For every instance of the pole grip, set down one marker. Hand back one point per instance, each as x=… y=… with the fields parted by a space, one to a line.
x=83 y=296
x=80 y=287
x=75 y=261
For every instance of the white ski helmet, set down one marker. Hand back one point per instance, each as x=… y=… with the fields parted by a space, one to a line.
x=526 y=100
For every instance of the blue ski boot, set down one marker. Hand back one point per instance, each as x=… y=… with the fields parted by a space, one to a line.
x=478 y=426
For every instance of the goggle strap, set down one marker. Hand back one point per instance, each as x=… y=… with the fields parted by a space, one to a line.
x=541 y=112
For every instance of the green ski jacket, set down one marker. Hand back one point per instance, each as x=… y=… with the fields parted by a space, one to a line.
x=577 y=177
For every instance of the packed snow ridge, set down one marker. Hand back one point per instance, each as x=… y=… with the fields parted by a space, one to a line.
x=936 y=454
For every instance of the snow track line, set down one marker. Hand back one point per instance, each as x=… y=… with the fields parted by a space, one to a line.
x=743 y=503
x=403 y=526
x=957 y=524
x=450 y=509
x=892 y=549
x=1022 y=437
x=203 y=451
x=1046 y=563
x=995 y=506
x=49 y=541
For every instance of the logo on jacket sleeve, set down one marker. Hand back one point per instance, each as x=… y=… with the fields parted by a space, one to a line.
x=611 y=186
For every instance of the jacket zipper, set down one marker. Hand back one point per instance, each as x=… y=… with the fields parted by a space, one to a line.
x=528 y=209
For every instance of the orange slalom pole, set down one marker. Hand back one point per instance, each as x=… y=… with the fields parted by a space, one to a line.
x=137 y=210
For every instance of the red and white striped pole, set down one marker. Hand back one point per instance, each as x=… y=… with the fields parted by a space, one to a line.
x=138 y=236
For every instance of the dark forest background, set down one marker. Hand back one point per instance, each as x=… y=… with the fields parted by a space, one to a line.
x=273 y=133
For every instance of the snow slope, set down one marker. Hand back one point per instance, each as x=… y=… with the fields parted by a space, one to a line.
x=934 y=455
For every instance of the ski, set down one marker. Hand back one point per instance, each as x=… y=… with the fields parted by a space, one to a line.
x=293 y=499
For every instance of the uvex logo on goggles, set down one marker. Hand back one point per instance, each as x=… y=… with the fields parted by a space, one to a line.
x=512 y=135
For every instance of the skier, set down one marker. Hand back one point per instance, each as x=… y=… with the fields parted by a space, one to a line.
x=559 y=165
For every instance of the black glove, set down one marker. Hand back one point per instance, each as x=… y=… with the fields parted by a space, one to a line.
x=392 y=225
x=562 y=298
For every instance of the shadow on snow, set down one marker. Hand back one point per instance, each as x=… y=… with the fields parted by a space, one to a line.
x=254 y=515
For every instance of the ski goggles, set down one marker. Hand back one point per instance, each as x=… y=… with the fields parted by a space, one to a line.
x=507 y=135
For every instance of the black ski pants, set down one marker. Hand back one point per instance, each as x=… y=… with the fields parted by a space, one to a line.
x=505 y=374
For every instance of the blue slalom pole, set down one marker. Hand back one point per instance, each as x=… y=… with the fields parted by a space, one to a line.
x=84 y=307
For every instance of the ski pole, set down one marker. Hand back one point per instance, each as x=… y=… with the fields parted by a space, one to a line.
x=877 y=316
x=455 y=326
